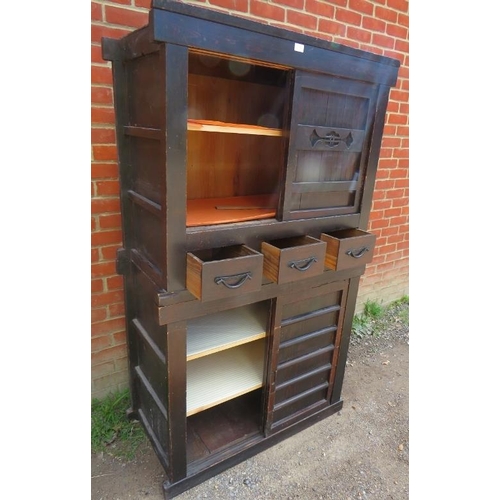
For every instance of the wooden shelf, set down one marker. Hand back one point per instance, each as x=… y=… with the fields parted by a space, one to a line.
x=231 y=128
x=212 y=380
x=207 y=211
x=227 y=329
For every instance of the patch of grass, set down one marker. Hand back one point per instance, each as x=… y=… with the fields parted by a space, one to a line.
x=373 y=309
x=375 y=316
x=401 y=308
x=112 y=430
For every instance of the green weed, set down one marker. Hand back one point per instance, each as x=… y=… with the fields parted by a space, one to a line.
x=375 y=316
x=112 y=431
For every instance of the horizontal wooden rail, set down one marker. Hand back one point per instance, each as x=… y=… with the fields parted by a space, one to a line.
x=145 y=132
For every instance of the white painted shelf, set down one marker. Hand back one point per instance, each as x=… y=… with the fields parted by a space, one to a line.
x=227 y=329
x=212 y=380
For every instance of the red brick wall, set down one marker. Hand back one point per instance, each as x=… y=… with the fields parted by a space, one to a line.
x=379 y=26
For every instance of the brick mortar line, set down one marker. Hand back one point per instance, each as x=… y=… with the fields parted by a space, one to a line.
x=122 y=6
x=101 y=65
x=106 y=24
x=102 y=85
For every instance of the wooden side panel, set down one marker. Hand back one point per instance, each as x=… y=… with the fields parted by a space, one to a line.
x=193 y=277
x=148 y=168
x=147 y=343
x=144 y=185
x=176 y=399
x=146 y=94
x=147 y=232
x=175 y=115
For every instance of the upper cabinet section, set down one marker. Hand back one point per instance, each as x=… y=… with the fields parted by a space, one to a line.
x=234 y=132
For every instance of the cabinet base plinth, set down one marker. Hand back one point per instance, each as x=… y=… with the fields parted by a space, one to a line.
x=198 y=476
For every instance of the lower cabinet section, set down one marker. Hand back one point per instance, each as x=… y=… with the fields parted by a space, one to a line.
x=215 y=387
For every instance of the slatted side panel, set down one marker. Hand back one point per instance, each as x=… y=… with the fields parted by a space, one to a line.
x=146 y=185
x=308 y=334
x=147 y=343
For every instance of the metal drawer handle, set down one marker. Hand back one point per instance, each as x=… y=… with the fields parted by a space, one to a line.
x=357 y=254
x=296 y=264
x=243 y=277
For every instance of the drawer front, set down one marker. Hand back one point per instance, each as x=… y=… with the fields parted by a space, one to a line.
x=293 y=259
x=224 y=273
x=348 y=248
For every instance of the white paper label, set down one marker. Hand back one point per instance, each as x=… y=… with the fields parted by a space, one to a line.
x=299 y=47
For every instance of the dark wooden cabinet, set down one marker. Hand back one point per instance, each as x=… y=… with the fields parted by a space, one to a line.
x=247 y=163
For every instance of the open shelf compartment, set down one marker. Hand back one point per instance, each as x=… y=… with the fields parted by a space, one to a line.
x=236 y=140
x=228 y=342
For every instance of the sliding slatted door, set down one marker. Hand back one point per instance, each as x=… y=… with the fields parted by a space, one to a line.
x=305 y=353
x=331 y=125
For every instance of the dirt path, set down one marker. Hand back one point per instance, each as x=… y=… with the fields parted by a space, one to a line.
x=358 y=453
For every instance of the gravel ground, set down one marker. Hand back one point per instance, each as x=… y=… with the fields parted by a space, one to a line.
x=360 y=452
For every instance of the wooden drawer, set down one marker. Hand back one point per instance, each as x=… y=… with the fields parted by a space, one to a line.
x=224 y=272
x=348 y=248
x=291 y=259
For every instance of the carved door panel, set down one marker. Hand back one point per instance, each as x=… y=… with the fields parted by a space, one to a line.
x=330 y=132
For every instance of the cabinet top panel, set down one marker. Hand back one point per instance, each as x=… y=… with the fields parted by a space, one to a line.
x=211 y=31
x=175 y=22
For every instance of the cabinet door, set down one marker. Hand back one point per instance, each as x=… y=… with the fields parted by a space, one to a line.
x=330 y=131
x=305 y=349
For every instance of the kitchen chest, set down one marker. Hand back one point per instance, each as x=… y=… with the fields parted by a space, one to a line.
x=247 y=157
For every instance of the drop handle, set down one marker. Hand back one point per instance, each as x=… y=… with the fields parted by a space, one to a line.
x=242 y=277
x=357 y=253
x=302 y=265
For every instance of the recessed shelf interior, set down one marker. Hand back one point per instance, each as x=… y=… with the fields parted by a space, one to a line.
x=225 y=355
x=235 y=141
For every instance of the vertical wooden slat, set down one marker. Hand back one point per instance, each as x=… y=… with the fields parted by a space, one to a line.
x=338 y=339
x=291 y=165
x=284 y=203
x=350 y=306
x=176 y=74
x=366 y=151
x=176 y=399
x=272 y=365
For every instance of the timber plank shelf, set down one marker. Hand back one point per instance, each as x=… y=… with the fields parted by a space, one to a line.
x=246 y=152
x=209 y=211
x=231 y=128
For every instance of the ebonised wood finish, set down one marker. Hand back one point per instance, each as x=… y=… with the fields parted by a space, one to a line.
x=311 y=145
